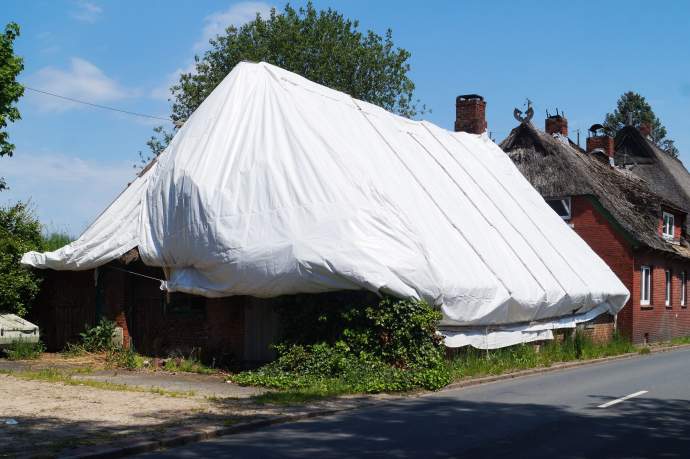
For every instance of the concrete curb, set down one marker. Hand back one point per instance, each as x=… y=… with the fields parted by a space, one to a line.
x=181 y=436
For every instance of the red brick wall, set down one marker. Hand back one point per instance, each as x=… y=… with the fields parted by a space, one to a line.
x=600 y=330
x=470 y=115
x=556 y=124
x=600 y=141
x=610 y=245
x=658 y=322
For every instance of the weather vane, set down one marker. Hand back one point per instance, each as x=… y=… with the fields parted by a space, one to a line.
x=529 y=113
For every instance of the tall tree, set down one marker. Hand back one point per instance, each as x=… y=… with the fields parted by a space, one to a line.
x=322 y=46
x=10 y=89
x=632 y=107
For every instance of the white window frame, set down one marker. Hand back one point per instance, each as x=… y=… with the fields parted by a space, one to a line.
x=645 y=285
x=683 y=278
x=668 y=283
x=567 y=204
x=668 y=225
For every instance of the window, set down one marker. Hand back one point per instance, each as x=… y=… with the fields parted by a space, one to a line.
x=682 y=288
x=668 y=226
x=667 y=301
x=561 y=207
x=645 y=285
x=184 y=305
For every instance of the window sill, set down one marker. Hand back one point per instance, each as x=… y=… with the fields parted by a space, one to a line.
x=645 y=307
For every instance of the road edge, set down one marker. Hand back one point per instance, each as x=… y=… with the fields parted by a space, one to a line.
x=182 y=436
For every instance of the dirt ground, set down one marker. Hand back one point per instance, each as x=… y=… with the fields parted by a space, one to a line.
x=39 y=418
x=52 y=416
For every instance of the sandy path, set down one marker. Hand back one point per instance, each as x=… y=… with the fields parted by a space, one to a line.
x=52 y=415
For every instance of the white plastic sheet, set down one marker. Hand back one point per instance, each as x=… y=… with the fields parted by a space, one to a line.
x=277 y=185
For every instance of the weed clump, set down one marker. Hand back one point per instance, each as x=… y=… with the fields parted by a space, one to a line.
x=387 y=347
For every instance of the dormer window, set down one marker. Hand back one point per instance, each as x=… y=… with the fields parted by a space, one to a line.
x=561 y=207
x=668 y=227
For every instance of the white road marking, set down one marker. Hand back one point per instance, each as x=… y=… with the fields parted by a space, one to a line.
x=622 y=399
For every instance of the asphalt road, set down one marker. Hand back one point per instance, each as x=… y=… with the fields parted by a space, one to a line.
x=574 y=413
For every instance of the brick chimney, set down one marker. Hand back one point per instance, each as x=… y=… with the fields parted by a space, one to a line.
x=645 y=129
x=556 y=124
x=599 y=140
x=602 y=142
x=470 y=114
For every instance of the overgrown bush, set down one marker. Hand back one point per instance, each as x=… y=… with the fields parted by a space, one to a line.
x=389 y=346
x=20 y=232
x=24 y=350
x=98 y=338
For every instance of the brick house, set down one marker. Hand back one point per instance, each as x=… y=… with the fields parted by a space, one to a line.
x=235 y=330
x=628 y=201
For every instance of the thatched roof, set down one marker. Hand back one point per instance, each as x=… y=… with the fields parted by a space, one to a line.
x=664 y=174
x=557 y=168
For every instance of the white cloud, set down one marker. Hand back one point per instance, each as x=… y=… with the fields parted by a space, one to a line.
x=68 y=192
x=87 y=11
x=236 y=15
x=214 y=24
x=82 y=80
x=162 y=91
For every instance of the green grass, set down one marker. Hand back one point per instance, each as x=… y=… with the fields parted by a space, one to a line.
x=472 y=362
x=187 y=365
x=23 y=350
x=301 y=396
x=680 y=340
x=53 y=375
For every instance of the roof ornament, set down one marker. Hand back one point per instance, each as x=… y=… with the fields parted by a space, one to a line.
x=529 y=113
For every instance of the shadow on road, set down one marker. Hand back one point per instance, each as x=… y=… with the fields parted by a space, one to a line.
x=448 y=427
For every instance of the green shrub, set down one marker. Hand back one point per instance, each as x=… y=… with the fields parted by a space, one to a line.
x=55 y=241
x=24 y=350
x=98 y=338
x=20 y=232
x=398 y=332
x=388 y=347
x=124 y=358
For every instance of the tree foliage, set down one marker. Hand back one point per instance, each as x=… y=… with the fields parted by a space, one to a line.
x=156 y=143
x=10 y=90
x=20 y=232
x=322 y=46
x=634 y=108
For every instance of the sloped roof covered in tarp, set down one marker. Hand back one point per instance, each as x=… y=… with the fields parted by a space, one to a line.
x=277 y=185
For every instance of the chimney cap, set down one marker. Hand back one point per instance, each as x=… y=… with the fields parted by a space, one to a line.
x=469 y=97
x=596 y=127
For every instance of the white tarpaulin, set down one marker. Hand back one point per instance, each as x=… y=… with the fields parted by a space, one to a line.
x=277 y=185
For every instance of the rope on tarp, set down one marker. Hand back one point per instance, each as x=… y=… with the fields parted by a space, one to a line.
x=135 y=273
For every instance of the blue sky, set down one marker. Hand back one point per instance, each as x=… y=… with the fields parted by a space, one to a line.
x=71 y=160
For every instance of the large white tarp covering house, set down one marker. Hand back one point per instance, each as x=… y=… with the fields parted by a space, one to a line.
x=277 y=185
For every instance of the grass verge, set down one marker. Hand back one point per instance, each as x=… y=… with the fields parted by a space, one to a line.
x=471 y=362
x=52 y=375
x=296 y=388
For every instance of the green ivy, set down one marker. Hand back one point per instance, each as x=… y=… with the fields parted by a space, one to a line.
x=388 y=346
